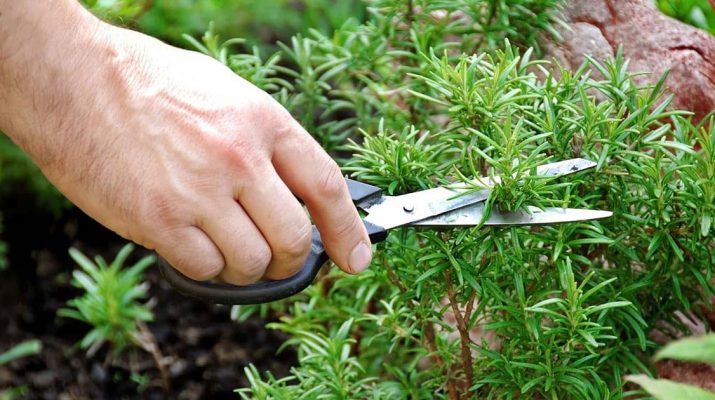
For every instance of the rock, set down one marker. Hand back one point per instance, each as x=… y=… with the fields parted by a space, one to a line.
x=178 y=367
x=98 y=374
x=192 y=391
x=697 y=374
x=6 y=377
x=653 y=42
x=192 y=335
x=227 y=352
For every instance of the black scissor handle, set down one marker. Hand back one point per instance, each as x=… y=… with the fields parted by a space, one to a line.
x=267 y=291
x=261 y=292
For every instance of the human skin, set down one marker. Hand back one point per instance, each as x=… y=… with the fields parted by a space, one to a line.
x=169 y=148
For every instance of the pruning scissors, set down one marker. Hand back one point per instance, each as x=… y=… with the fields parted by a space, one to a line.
x=431 y=208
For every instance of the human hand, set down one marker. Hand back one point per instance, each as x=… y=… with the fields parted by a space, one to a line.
x=170 y=149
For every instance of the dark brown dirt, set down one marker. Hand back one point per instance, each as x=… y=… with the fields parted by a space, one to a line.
x=205 y=350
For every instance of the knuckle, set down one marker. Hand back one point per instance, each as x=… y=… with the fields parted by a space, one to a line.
x=282 y=123
x=185 y=250
x=330 y=182
x=205 y=271
x=256 y=263
x=262 y=110
x=162 y=209
x=240 y=154
x=199 y=271
x=297 y=245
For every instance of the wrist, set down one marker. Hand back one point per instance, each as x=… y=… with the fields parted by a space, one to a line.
x=49 y=51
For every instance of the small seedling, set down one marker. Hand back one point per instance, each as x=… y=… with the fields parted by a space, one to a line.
x=112 y=304
x=24 y=349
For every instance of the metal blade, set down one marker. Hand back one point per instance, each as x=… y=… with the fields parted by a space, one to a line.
x=472 y=215
x=559 y=168
x=565 y=167
x=394 y=211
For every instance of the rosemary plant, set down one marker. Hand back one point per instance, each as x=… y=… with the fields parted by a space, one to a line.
x=110 y=302
x=111 y=305
x=428 y=92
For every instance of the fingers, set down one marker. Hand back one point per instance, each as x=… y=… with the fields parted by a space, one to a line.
x=229 y=245
x=244 y=250
x=281 y=219
x=316 y=178
x=190 y=251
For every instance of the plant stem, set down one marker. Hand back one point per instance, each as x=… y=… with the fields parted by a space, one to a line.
x=147 y=341
x=410 y=13
x=431 y=344
x=463 y=335
x=429 y=335
x=393 y=277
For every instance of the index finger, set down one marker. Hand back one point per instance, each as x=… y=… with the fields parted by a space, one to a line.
x=315 y=177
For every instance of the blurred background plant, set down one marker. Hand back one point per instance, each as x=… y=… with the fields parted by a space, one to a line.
x=20 y=350
x=110 y=304
x=110 y=300
x=693 y=349
x=699 y=13
x=260 y=22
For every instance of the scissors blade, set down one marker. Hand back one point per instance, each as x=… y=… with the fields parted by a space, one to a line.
x=554 y=169
x=565 y=167
x=472 y=215
x=393 y=211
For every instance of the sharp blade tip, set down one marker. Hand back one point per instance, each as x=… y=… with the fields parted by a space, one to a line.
x=584 y=163
x=599 y=214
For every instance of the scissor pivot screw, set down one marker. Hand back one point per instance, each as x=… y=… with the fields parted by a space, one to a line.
x=408 y=208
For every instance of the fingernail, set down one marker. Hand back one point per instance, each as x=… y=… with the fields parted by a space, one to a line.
x=360 y=257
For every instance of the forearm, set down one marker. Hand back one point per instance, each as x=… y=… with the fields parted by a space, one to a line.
x=44 y=58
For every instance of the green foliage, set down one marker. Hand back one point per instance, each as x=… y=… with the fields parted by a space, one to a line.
x=19 y=179
x=337 y=83
x=13 y=393
x=117 y=10
x=142 y=381
x=261 y=22
x=663 y=389
x=3 y=250
x=20 y=350
x=698 y=13
x=111 y=299
x=695 y=349
x=423 y=98
x=327 y=369
x=18 y=174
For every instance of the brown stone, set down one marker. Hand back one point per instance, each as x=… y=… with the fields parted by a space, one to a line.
x=653 y=42
x=697 y=374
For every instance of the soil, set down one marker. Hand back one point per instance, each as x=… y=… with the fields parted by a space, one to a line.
x=205 y=350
